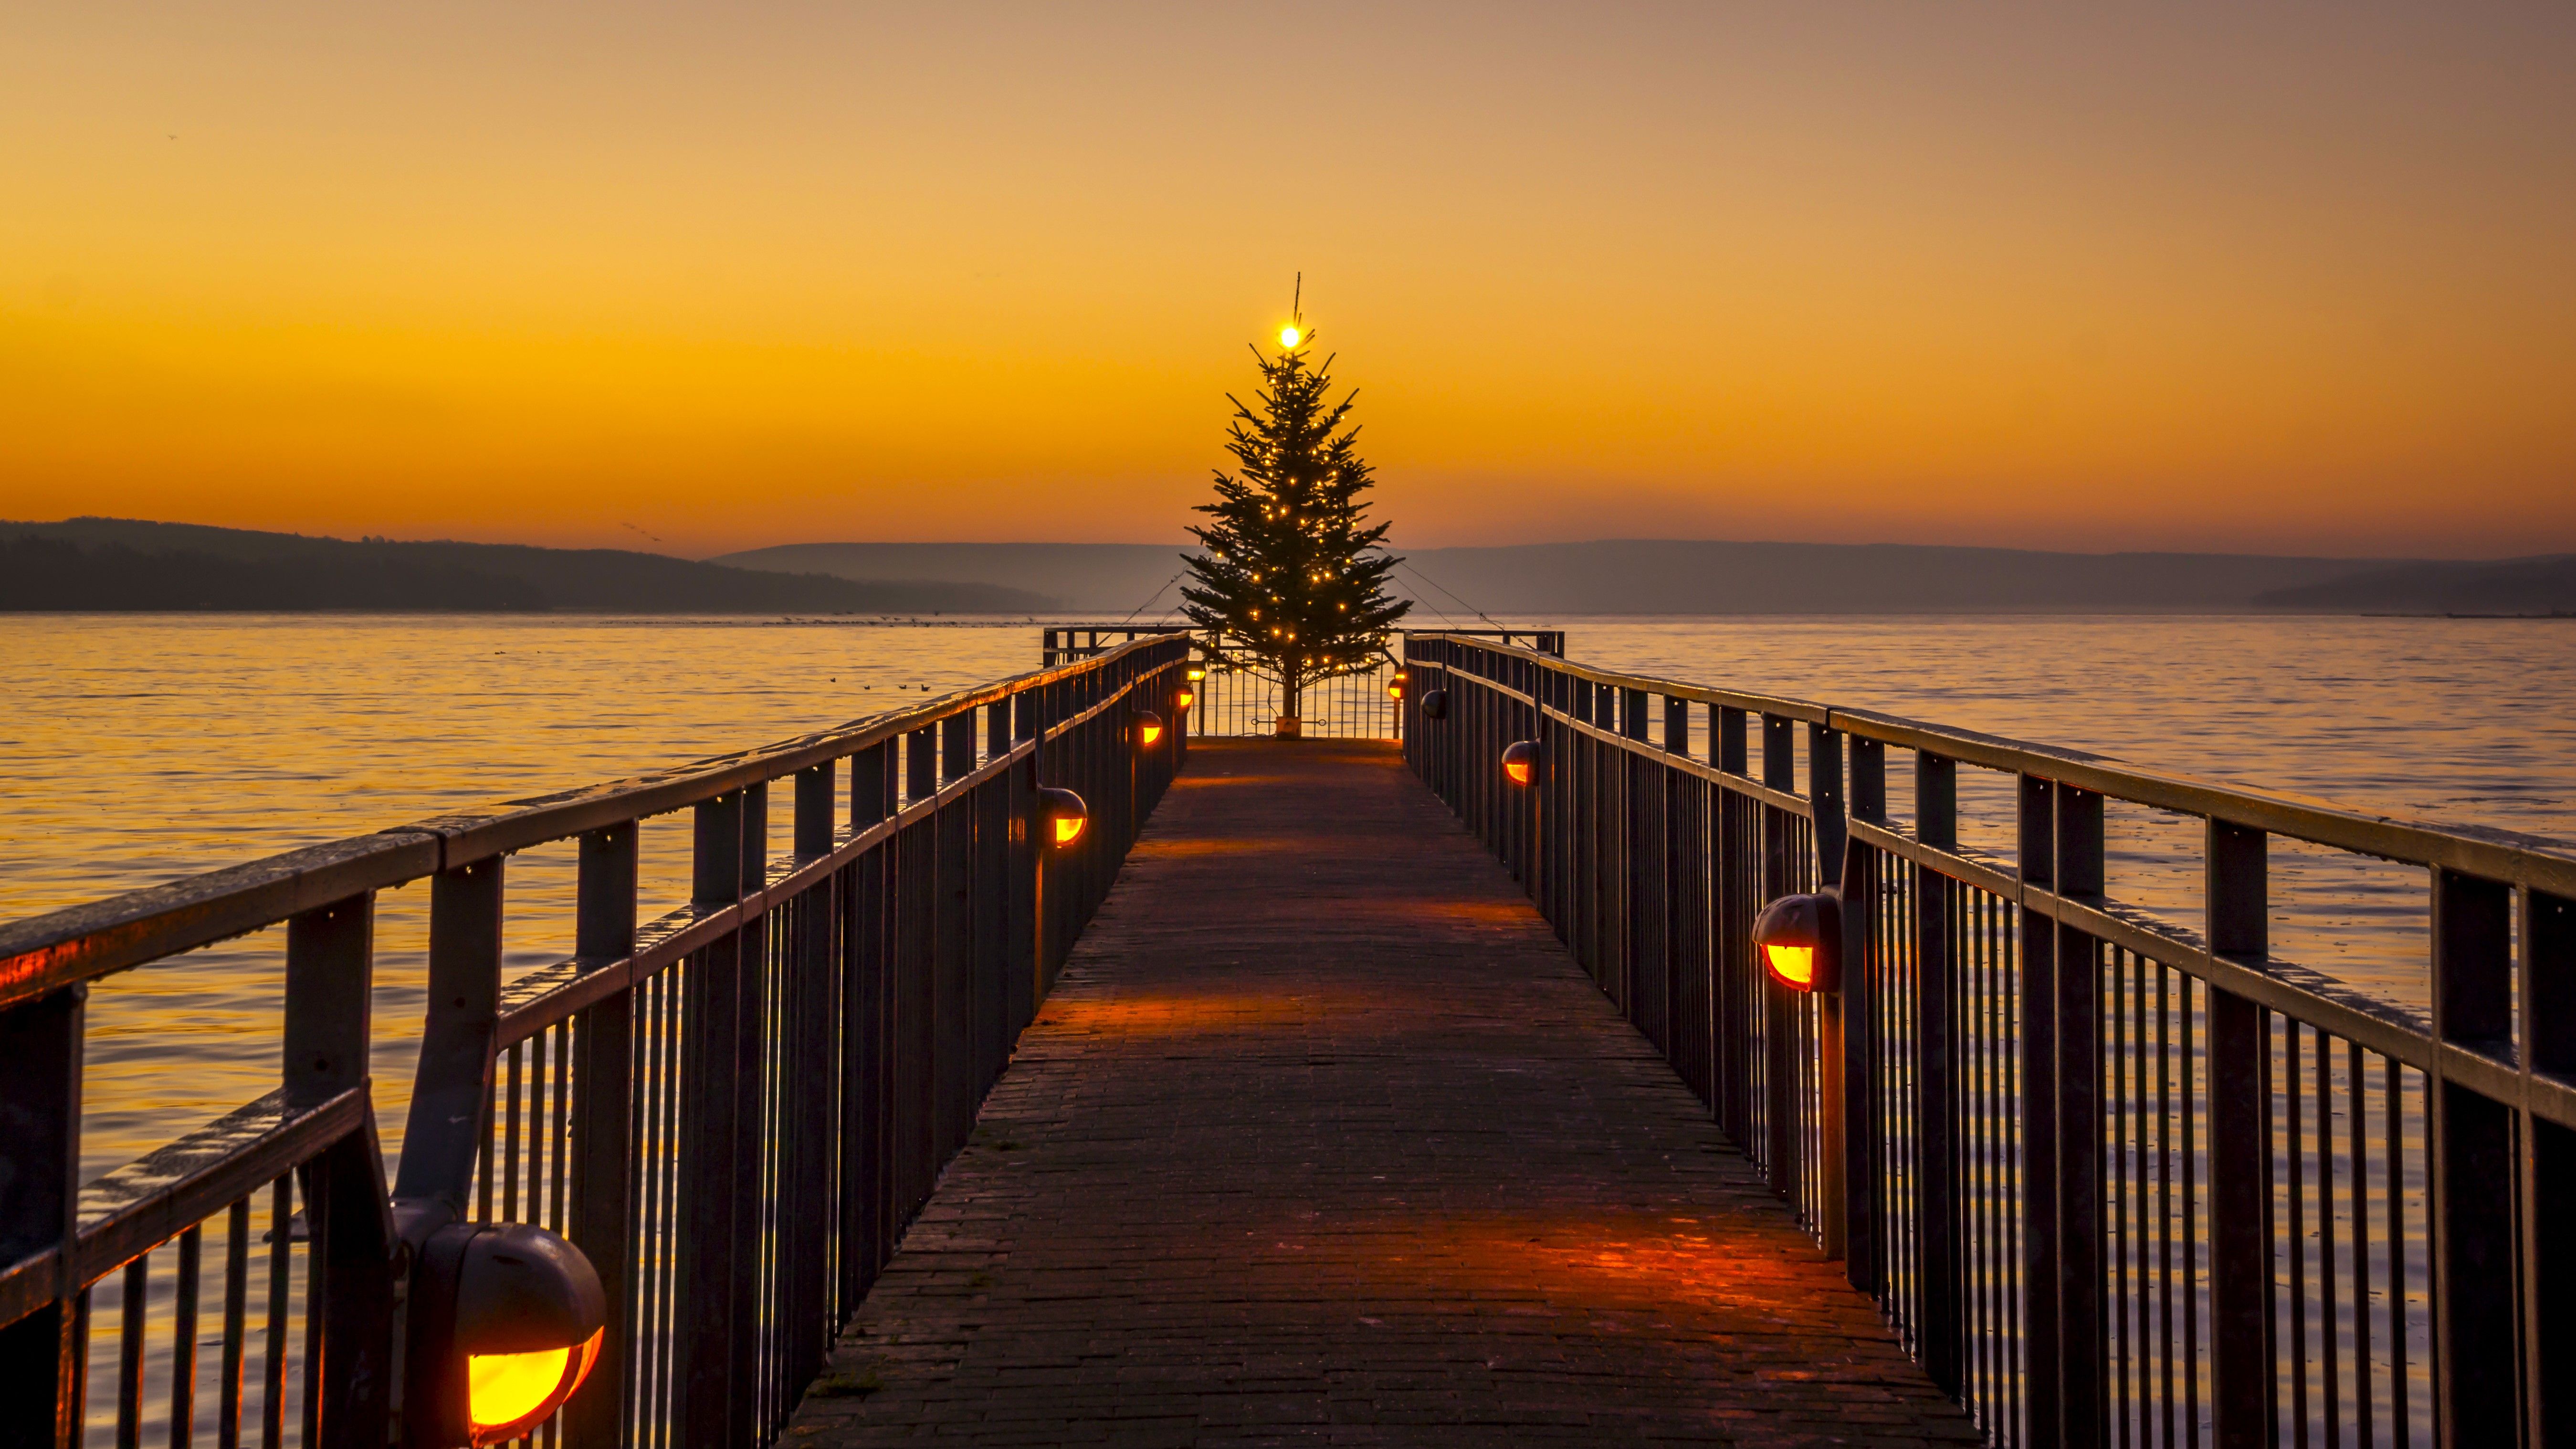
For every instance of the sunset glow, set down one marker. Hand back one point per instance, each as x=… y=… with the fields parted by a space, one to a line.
x=2176 y=276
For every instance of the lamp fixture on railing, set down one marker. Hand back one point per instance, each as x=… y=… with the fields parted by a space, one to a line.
x=505 y=1322
x=1435 y=704
x=1061 y=816
x=1149 y=726
x=1395 y=686
x=1801 y=938
x=1520 y=762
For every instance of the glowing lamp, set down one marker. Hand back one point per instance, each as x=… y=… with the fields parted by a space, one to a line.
x=1520 y=762
x=1801 y=939
x=1184 y=699
x=506 y=1320
x=1149 y=726
x=1062 y=816
x=1194 y=673
x=1435 y=704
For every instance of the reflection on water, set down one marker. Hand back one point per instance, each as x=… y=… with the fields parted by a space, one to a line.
x=140 y=749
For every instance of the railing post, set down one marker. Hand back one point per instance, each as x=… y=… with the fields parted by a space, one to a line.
x=708 y=1240
x=2475 y=1160
x=602 y=1164
x=1939 y=1333
x=2082 y=1342
x=1835 y=1181
x=41 y=1372
x=1864 y=1087
x=1825 y=798
x=2043 y=1358
x=1779 y=1007
x=2549 y=1006
x=349 y=1294
x=2238 y=900
x=868 y=921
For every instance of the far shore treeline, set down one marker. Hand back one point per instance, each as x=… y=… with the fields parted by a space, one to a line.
x=119 y=564
x=116 y=564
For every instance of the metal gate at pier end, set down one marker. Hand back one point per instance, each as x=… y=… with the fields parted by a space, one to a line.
x=732 y=1110
x=2113 y=1179
x=1234 y=701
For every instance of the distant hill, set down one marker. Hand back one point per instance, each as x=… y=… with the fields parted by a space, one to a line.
x=2543 y=585
x=125 y=564
x=1086 y=577
x=1644 y=576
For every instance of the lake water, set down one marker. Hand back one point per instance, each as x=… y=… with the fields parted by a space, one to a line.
x=143 y=748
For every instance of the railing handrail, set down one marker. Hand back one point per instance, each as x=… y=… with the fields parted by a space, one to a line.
x=44 y=953
x=2523 y=860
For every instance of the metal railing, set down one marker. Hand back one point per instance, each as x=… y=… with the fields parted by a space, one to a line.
x=1236 y=702
x=734 y=1110
x=2114 y=1180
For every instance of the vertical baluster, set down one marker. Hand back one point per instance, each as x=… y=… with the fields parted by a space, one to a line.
x=2401 y=1424
x=2166 y=1121
x=129 y=1354
x=272 y=1422
x=2329 y=1321
x=2358 y=1110
x=183 y=1338
x=228 y=1393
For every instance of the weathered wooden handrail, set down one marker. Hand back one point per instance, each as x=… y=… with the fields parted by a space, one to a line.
x=2069 y=1141
x=733 y=1109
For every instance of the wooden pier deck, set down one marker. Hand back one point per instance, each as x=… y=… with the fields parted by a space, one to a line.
x=1324 y=1138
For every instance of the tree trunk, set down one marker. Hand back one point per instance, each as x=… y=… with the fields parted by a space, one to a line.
x=1292 y=691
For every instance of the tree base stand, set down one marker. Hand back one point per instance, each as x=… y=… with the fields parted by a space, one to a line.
x=1289 y=727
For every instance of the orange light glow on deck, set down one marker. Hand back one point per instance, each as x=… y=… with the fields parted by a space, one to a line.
x=1793 y=966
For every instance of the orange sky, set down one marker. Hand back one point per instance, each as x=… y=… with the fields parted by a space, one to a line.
x=2181 y=276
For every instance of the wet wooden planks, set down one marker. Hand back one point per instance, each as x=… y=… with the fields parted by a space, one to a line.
x=1323 y=1138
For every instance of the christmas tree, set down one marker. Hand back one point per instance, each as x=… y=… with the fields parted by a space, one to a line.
x=1292 y=583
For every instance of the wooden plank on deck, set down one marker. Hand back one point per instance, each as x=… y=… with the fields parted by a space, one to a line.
x=1323 y=1138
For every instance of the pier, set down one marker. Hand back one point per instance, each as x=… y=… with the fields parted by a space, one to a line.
x=1339 y=1091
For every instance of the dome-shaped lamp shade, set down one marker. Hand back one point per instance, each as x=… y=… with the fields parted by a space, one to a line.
x=1149 y=726
x=1062 y=817
x=1185 y=698
x=506 y=1322
x=1435 y=704
x=1195 y=673
x=1395 y=686
x=1520 y=762
x=1801 y=940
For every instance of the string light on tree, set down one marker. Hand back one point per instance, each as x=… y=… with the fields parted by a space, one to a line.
x=1289 y=534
